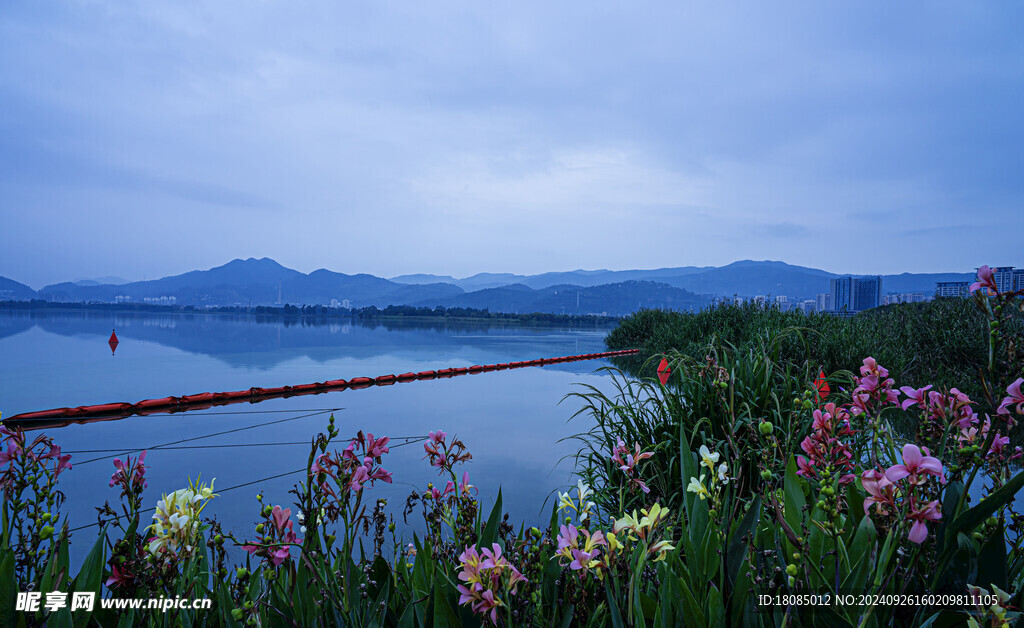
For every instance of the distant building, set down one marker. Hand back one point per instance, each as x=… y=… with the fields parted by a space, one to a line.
x=760 y=299
x=346 y=304
x=855 y=294
x=162 y=300
x=947 y=289
x=122 y=298
x=808 y=305
x=823 y=302
x=1004 y=277
x=1018 y=279
x=904 y=297
x=335 y=304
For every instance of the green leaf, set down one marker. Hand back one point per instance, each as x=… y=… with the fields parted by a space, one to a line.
x=90 y=576
x=863 y=541
x=794 y=501
x=716 y=608
x=444 y=616
x=693 y=613
x=946 y=619
x=8 y=588
x=992 y=560
x=613 y=608
x=975 y=516
x=737 y=547
x=490 y=531
x=567 y=617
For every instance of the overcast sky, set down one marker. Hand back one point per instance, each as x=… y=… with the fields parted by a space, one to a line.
x=144 y=139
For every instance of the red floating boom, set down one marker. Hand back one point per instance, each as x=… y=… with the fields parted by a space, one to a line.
x=60 y=417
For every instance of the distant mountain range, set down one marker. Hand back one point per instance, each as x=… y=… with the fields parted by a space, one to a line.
x=265 y=282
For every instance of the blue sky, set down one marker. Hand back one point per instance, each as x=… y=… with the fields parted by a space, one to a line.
x=144 y=139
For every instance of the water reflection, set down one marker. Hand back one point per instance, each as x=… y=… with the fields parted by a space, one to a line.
x=511 y=420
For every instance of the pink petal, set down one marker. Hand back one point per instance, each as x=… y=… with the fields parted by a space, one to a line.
x=918 y=532
x=896 y=472
x=912 y=455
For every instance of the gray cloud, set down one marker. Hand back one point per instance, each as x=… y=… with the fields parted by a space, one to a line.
x=456 y=138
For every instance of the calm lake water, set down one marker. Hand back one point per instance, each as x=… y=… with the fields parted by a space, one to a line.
x=510 y=420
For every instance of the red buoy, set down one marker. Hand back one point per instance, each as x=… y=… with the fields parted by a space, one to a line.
x=112 y=342
x=663 y=372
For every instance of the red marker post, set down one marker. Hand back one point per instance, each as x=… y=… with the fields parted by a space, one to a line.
x=664 y=372
x=822 y=385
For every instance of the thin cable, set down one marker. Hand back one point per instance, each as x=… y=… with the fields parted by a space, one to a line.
x=196 y=412
x=231 y=488
x=225 y=445
x=186 y=440
x=242 y=486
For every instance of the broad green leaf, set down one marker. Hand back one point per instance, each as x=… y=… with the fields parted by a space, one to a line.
x=8 y=588
x=490 y=531
x=794 y=501
x=971 y=519
x=613 y=608
x=715 y=607
x=737 y=545
x=992 y=560
x=444 y=616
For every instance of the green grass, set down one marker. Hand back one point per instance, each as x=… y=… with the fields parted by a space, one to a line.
x=943 y=342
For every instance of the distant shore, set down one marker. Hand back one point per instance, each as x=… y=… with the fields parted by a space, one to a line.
x=324 y=313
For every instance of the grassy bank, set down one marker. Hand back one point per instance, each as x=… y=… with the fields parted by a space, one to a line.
x=943 y=342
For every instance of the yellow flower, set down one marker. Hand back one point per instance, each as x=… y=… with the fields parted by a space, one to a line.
x=653 y=516
x=696 y=486
x=661 y=548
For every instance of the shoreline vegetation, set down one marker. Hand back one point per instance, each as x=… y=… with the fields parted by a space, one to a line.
x=751 y=487
x=315 y=314
x=944 y=342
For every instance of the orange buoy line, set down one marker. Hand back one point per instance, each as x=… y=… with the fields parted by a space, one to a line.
x=61 y=417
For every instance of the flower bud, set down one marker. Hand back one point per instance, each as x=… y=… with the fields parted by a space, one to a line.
x=535 y=532
x=792 y=570
x=46 y=532
x=808 y=405
x=766 y=427
x=259 y=529
x=267 y=510
x=242 y=573
x=391 y=527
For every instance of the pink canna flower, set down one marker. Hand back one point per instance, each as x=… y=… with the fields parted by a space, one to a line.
x=464 y=486
x=871 y=367
x=282 y=518
x=880 y=491
x=117 y=577
x=627 y=463
x=915 y=397
x=1015 y=398
x=375 y=448
x=986 y=279
x=805 y=467
x=915 y=465
x=919 y=530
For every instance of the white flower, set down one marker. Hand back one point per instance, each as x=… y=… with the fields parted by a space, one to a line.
x=708 y=458
x=723 y=473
